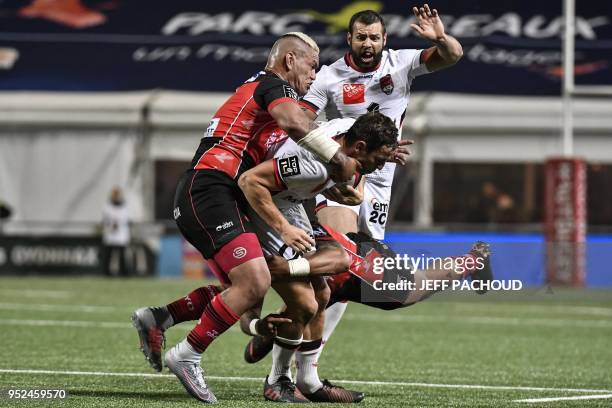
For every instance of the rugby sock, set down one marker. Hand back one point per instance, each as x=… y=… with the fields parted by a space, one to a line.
x=186 y=352
x=333 y=314
x=307 y=377
x=192 y=306
x=282 y=352
x=215 y=320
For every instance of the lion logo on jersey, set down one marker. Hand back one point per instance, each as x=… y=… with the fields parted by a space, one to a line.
x=386 y=84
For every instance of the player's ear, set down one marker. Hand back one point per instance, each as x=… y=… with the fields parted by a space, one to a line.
x=384 y=40
x=348 y=38
x=360 y=146
x=289 y=61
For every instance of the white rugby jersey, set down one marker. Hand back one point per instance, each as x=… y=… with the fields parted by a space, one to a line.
x=344 y=91
x=301 y=172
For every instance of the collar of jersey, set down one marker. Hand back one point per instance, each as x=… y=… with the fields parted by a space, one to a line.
x=349 y=61
x=272 y=73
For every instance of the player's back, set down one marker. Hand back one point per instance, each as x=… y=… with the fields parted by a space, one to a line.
x=242 y=129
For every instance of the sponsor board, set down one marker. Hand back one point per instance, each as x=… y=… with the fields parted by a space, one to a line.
x=508 y=48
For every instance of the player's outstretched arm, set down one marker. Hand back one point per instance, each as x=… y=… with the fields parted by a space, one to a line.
x=247 y=317
x=252 y=325
x=329 y=258
x=257 y=184
x=447 y=50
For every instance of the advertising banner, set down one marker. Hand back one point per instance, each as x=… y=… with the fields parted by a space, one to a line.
x=565 y=221
x=119 y=45
x=55 y=255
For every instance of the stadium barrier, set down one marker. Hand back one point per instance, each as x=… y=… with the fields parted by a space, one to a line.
x=515 y=256
x=66 y=255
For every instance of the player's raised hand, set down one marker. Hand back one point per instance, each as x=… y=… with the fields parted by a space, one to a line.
x=428 y=24
x=402 y=152
x=268 y=326
x=297 y=239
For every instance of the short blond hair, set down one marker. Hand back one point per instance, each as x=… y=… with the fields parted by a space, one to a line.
x=304 y=37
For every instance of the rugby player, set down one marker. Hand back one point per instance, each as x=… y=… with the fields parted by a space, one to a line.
x=371 y=141
x=275 y=191
x=370 y=77
x=210 y=209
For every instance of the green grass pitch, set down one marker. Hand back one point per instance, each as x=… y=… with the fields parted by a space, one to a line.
x=453 y=350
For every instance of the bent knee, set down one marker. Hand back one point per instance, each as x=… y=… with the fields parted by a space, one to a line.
x=306 y=308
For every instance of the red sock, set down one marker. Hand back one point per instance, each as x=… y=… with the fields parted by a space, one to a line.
x=216 y=319
x=192 y=306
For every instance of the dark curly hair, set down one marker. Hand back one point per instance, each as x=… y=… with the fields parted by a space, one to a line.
x=375 y=129
x=366 y=17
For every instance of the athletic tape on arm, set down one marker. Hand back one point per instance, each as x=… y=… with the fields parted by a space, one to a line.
x=319 y=143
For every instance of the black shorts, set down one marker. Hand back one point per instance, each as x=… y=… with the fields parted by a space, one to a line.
x=209 y=209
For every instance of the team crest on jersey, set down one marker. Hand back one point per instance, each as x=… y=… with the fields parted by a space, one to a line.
x=290 y=92
x=353 y=93
x=289 y=166
x=386 y=84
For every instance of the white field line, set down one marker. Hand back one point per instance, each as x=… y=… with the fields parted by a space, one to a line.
x=21 y=293
x=60 y=308
x=393 y=318
x=65 y=323
x=544 y=308
x=486 y=320
x=580 y=397
x=383 y=383
x=82 y=324
x=389 y=317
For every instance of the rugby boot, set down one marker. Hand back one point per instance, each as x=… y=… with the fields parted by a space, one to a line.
x=333 y=393
x=482 y=250
x=257 y=348
x=147 y=322
x=283 y=390
x=189 y=372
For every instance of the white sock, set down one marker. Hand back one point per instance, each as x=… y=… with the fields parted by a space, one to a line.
x=333 y=314
x=281 y=358
x=186 y=352
x=307 y=377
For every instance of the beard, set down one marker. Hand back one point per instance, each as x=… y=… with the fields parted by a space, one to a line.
x=376 y=57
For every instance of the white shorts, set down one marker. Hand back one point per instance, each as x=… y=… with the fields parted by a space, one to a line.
x=372 y=213
x=270 y=240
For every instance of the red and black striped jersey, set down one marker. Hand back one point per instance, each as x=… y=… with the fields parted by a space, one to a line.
x=242 y=130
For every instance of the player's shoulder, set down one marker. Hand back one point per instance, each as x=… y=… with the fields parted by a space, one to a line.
x=338 y=68
x=337 y=126
x=270 y=84
x=268 y=80
x=403 y=56
x=291 y=148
